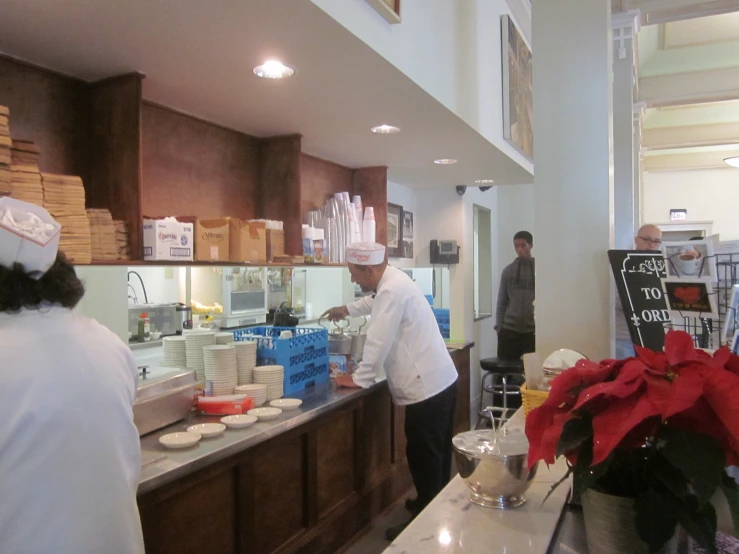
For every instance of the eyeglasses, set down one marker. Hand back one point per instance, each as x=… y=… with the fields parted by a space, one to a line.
x=651 y=240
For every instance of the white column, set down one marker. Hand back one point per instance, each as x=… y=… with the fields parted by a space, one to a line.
x=625 y=26
x=574 y=174
x=639 y=113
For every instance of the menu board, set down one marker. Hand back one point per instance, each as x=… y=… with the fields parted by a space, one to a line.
x=638 y=276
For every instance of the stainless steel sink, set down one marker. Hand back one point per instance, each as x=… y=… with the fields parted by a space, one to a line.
x=163 y=401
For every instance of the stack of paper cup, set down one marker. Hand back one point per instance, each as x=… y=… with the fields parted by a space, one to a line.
x=357 y=203
x=369 y=226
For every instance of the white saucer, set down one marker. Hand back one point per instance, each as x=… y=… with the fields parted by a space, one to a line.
x=180 y=440
x=286 y=404
x=239 y=421
x=265 y=414
x=207 y=430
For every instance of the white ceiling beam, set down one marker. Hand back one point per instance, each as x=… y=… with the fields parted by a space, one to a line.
x=691 y=136
x=665 y=11
x=695 y=87
x=684 y=162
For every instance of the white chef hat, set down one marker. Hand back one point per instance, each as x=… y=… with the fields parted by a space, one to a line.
x=28 y=235
x=365 y=253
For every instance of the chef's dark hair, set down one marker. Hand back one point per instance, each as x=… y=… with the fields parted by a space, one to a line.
x=525 y=235
x=59 y=285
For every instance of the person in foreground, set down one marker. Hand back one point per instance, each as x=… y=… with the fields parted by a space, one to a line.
x=404 y=338
x=69 y=449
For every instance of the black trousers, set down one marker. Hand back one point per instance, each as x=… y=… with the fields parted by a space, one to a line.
x=429 y=428
x=513 y=345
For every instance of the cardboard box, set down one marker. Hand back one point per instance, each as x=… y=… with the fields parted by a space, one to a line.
x=168 y=239
x=212 y=240
x=275 y=240
x=248 y=242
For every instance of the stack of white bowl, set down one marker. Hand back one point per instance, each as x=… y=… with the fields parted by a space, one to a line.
x=194 y=343
x=258 y=393
x=220 y=369
x=246 y=360
x=273 y=376
x=174 y=352
x=224 y=337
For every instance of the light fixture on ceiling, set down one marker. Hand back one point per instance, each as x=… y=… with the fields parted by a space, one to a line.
x=385 y=129
x=272 y=69
x=733 y=162
x=445 y=161
x=484 y=182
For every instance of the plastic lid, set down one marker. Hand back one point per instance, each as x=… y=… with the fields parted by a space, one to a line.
x=143 y=315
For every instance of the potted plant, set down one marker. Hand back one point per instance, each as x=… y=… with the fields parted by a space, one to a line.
x=647 y=440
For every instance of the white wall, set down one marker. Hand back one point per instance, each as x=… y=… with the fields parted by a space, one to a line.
x=162 y=284
x=450 y=48
x=325 y=288
x=105 y=297
x=708 y=195
x=515 y=213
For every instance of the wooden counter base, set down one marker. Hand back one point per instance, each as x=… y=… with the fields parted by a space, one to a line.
x=309 y=490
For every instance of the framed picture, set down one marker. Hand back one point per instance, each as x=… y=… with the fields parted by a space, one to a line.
x=692 y=260
x=407 y=225
x=394 y=231
x=518 y=90
x=389 y=9
x=690 y=298
x=407 y=248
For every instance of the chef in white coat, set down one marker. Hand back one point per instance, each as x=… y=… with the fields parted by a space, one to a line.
x=405 y=340
x=69 y=450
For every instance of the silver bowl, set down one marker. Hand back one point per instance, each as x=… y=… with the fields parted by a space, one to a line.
x=494 y=480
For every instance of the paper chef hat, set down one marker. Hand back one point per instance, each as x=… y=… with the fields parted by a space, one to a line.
x=365 y=253
x=28 y=235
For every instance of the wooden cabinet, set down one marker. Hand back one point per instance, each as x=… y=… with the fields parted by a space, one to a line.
x=311 y=489
x=137 y=158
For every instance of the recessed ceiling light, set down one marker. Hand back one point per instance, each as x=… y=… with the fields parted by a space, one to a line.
x=484 y=181
x=272 y=69
x=446 y=161
x=385 y=129
x=733 y=162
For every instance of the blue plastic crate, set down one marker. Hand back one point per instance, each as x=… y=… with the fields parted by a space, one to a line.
x=304 y=356
x=429 y=299
x=441 y=312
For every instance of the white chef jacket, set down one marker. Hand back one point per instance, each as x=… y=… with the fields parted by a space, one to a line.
x=404 y=338
x=69 y=450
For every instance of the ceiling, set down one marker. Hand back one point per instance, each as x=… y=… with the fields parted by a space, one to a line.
x=702 y=129
x=199 y=60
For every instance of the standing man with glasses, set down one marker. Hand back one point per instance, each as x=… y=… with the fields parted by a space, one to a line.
x=648 y=238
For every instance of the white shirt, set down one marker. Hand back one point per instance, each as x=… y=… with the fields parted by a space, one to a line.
x=405 y=339
x=69 y=450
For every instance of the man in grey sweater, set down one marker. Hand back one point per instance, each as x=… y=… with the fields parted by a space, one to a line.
x=515 y=313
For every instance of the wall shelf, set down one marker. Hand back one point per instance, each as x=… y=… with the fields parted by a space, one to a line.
x=133 y=263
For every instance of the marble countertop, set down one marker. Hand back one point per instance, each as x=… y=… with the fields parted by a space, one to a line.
x=453 y=524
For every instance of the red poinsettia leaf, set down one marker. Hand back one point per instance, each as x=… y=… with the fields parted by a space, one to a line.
x=645 y=354
x=612 y=425
x=659 y=392
x=679 y=347
x=720 y=391
x=538 y=422
x=607 y=390
x=685 y=390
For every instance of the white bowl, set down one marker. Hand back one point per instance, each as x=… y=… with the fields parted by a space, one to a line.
x=265 y=414
x=207 y=430
x=180 y=440
x=286 y=404
x=239 y=421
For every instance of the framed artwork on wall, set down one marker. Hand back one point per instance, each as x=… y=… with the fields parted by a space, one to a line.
x=518 y=90
x=389 y=9
x=394 y=231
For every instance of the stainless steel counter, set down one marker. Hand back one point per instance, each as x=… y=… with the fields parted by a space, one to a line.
x=161 y=465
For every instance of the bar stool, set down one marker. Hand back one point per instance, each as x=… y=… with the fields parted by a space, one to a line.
x=502 y=379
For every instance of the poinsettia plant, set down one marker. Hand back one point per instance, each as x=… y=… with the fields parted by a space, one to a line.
x=661 y=427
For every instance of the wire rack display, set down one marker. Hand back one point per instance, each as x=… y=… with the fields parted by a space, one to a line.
x=713 y=333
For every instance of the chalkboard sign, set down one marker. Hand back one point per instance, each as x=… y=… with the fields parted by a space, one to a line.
x=638 y=277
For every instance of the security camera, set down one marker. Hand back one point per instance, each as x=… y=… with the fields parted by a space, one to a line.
x=461 y=189
x=483 y=189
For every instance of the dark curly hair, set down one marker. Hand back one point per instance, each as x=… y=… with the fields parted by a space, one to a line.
x=59 y=285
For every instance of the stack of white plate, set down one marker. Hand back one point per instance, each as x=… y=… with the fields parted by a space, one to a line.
x=194 y=343
x=174 y=352
x=273 y=376
x=246 y=360
x=224 y=337
x=220 y=368
x=258 y=393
